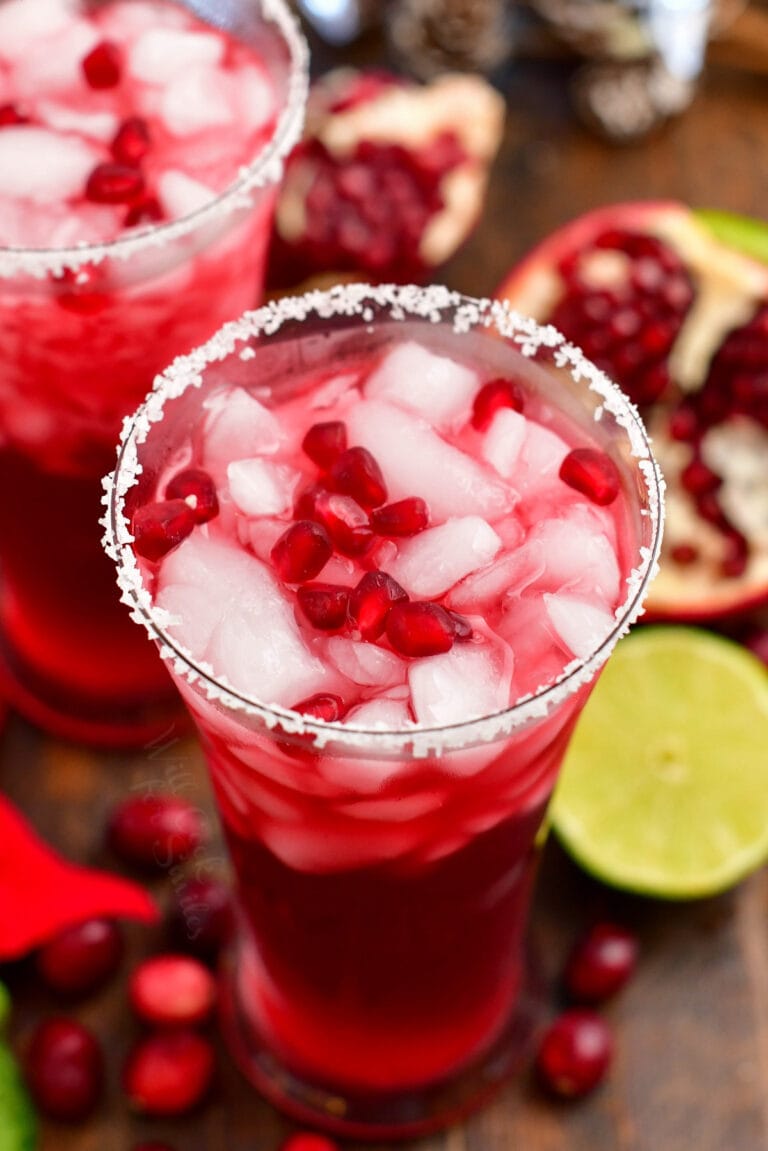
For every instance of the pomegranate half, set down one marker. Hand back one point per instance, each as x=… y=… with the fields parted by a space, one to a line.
x=673 y=304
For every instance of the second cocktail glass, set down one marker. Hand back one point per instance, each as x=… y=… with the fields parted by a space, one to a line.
x=432 y=522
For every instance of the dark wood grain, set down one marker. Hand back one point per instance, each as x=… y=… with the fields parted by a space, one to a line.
x=691 y=1069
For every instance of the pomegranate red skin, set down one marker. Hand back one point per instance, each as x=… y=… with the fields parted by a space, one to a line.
x=81 y=958
x=155 y=831
x=171 y=990
x=575 y=1053
x=168 y=1072
x=64 y=1069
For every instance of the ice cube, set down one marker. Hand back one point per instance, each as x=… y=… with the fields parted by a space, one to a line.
x=365 y=663
x=510 y=575
x=382 y=714
x=36 y=164
x=100 y=126
x=261 y=488
x=195 y=101
x=577 y=556
x=181 y=195
x=417 y=379
x=252 y=97
x=542 y=454
x=467 y=682
x=416 y=461
x=126 y=19
x=160 y=54
x=581 y=624
x=525 y=627
x=261 y=535
x=54 y=65
x=337 y=843
x=237 y=426
x=433 y=561
x=504 y=440
x=194 y=611
x=22 y=22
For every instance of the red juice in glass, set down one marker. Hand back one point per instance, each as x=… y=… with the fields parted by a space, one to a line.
x=140 y=150
x=385 y=538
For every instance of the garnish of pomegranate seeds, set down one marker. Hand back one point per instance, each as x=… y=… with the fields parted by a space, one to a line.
x=389 y=179
x=420 y=629
x=102 y=66
x=575 y=1053
x=672 y=304
x=592 y=473
x=111 y=183
x=600 y=963
x=159 y=527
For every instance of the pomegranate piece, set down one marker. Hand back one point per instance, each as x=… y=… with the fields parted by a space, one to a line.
x=11 y=115
x=323 y=705
x=356 y=473
x=168 y=1072
x=496 y=394
x=406 y=517
x=575 y=1053
x=111 y=183
x=592 y=473
x=155 y=831
x=601 y=963
x=301 y=552
x=370 y=602
x=202 y=916
x=324 y=605
x=347 y=523
x=64 y=1069
x=159 y=527
x=172 y=991
x=131 y=141
x=80 y=290
x=325 y=442
x=419 y=629
x=81 y=958
x=102 y=66
x=196 y=487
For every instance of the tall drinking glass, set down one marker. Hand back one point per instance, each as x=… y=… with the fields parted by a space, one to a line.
x=382 y=763
x=83 y=331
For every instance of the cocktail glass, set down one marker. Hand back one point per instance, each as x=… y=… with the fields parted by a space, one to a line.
x=378 y=983
x=82 y=334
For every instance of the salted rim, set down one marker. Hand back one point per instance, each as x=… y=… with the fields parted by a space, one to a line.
x=266 y=168
x=434 y=304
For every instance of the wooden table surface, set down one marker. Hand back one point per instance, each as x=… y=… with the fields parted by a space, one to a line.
x=691 y=1068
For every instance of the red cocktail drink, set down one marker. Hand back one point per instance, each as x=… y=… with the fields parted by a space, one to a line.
x=386 y=539
x=140 y=149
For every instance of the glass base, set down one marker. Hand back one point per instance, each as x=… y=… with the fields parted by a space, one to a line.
x=381 y=1115
x=96 y=723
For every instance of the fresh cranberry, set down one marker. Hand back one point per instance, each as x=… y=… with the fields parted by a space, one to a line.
x=155 y=831
x=196 y=488
x=111 y=183
x=10 y=116
x=493 y=396
x=308 y=1141
x=131 y=141
x=370 y=602
x=346 y=522
x=592 y=473
x=202 y=916
x=65 y=1069
x=159 y=527
x=172 y=991
x=168 y=1072
x=575 y=1053
x=103 y=65
x=356 y=473
x=406 y=517
x=302 y=551
x=600 y=963
x=325 y=442
x=324 y=605
x=81 y=958
x=419 y=629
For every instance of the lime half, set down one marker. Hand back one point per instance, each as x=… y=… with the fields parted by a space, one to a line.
x=18 y=1125
x=664 y=790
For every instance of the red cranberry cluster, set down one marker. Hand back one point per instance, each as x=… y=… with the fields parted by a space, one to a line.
x=576 y=1049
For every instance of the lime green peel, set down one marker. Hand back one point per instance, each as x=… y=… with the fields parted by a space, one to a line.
x=742 y=233
x=18 y=1122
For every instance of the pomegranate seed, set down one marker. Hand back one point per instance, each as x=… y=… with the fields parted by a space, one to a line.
x=81 y=958
x=697 y=479
x=168 y=1072
x=324 y=605
x=146 y=211
x=592 y=473
x=600 y=963
x=155 y=831
x=10 y=116
x=356 y=473
x=103 y=65
x=346 y=522
x=302 y=551
x=324 y=443
x=131 y=141
x=370 y=602
x=323 y=705
x=304 y=507
x=161 y=526
x=78 y=290
x=308 y=1141
x=65 y=1069
x=407 y=517
x=172 y=991
x=683 y=424
x=202 y=917
x=196 y=488
x=418 y=629
x=684 y=554
x=493 y=396
x=575 y=1053
x=114 y=184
